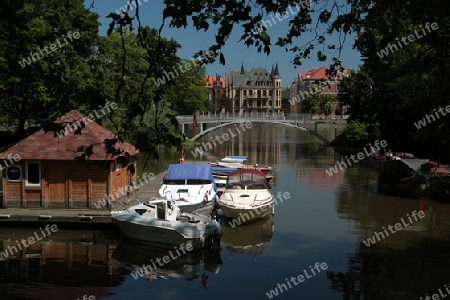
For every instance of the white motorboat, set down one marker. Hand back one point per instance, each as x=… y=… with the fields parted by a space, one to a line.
x=191 y=186
x=234 y=159
x=161 y=222
x=246 y=196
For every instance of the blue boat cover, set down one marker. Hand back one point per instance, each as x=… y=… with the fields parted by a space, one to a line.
x=223 y=169
x=237 y=157
x=189 y=171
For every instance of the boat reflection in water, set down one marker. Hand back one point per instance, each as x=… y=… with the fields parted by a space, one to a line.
x=133 y=257
x=250 y=238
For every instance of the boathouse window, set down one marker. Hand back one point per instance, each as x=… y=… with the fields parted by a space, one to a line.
x=14 y=173
x=33 y=173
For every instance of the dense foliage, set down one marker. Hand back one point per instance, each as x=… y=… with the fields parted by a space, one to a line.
x=40 y=81
x=317 y=102
x=398 y=87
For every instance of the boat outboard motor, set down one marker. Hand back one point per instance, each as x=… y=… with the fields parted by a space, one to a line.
x=213 y=234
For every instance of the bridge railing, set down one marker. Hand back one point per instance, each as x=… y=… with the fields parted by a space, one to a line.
x=235 y=115
x=302 y=118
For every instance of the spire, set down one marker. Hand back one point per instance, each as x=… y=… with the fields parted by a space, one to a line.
x=271 y=72
x=242 y=69
x=276 y=73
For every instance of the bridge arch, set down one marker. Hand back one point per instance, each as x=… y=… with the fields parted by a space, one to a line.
x=231 y=122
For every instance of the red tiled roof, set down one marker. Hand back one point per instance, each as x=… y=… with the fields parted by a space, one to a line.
x=320 y=74
x=43 y=145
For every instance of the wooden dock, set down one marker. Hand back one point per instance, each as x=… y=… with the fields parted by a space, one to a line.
x=78 y=218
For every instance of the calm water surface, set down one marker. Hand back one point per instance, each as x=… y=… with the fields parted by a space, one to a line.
x=325 y=220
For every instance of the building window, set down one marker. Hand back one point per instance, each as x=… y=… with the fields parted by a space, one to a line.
x=264 y=93
x=270 y=93
x=250 y=92
x=14 y=173
x=32 y=174
x=245 y=92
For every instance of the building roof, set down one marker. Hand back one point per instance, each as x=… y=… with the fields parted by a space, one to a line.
x=321 y=74
x=211 y=81
x=48 y=145
x=276 y=73
x=253 y=76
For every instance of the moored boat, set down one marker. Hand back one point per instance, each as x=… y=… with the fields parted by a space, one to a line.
x=229 y=164
x=191 y=186
x=161 y=222
x=246 y=196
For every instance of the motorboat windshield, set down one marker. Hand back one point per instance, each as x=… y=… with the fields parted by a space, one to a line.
x=247 y=179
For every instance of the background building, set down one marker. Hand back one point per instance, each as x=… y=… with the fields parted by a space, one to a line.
x=216 y=90
x=254 y=91
x=315 y=78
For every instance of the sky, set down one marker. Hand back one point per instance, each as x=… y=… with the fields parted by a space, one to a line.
x=236 y=53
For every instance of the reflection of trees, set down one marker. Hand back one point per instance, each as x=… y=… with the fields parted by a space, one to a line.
x=405 y=265
x=380 y=272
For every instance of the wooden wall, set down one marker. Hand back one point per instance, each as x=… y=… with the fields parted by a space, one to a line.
x=68 y=184
x=119 y=180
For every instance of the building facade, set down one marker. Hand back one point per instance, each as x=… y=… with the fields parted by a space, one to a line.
x=216 y=90
x=254 y=91
x=316 y=79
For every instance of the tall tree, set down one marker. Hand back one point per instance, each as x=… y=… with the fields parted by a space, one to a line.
x=125 y=77
x=44 y=54
x=316 y=102
x=405 y=46
x=191 y=94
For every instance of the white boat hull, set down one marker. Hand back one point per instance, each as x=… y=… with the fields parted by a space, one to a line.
x=159 y=233
x=193 y=207
x=162 y=222
x=257 y=204
x=247 y=214
x=193 y=196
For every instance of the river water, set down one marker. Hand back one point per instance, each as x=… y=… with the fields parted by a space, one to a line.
x=314 y=247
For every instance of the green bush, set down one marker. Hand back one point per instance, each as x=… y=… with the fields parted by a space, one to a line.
x=355 y=135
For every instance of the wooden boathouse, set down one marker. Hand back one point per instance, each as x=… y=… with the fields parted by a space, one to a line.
x=72 y=168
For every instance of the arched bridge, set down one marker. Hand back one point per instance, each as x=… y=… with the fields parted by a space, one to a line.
x=223 y=121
